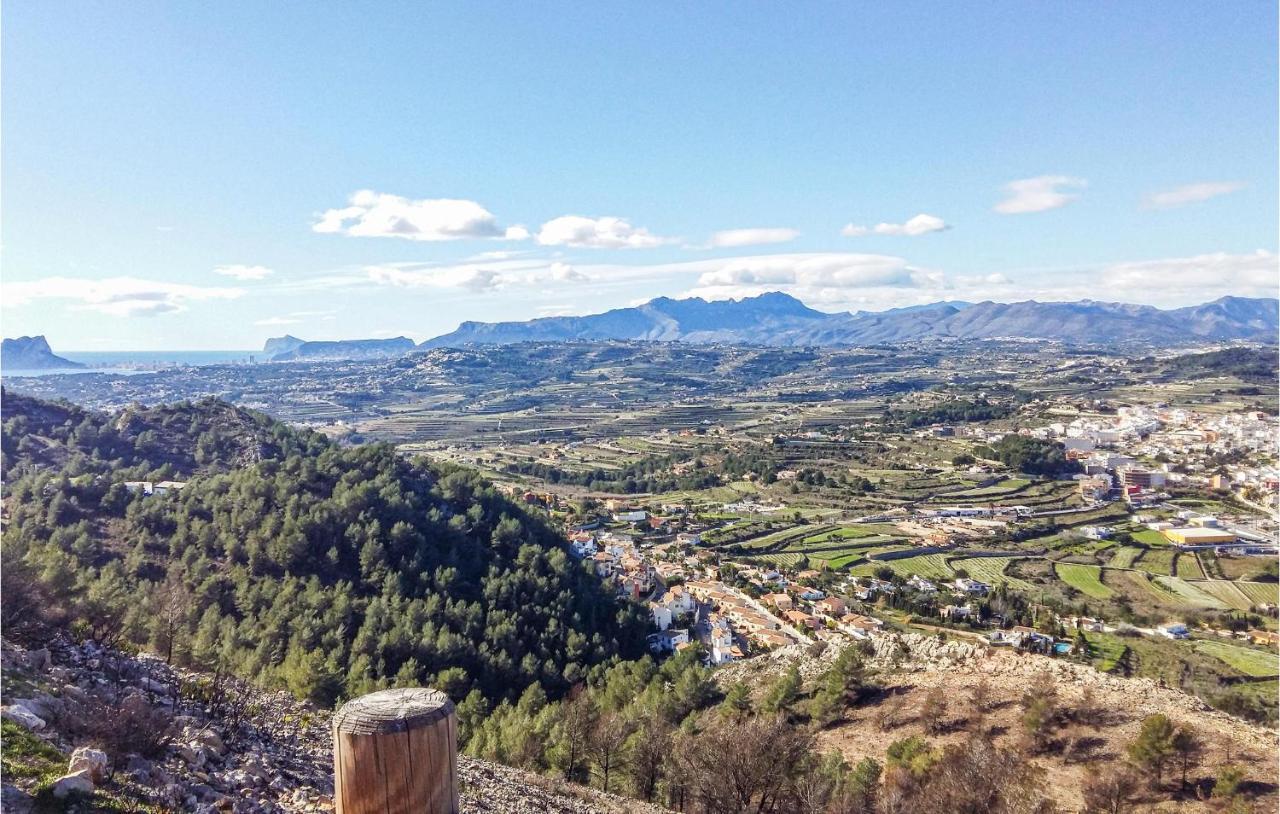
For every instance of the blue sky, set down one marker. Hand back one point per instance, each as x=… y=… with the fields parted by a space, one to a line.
x=185 y=176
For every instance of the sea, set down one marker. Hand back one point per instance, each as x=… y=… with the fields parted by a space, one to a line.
x=130 y=362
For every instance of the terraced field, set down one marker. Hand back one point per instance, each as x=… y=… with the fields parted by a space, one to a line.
x=1190 y=594
x=1156 y=561
x=991 y=570
x=1227 y=592
x=1087 y=579
x=1150 y=537
x=776 y=538
x=1261 y=593
x=1136 y=584
x=777 y=560
x=1188 y=567
x=1248 y=660
x=1007 y=486
x=1124 y=557
x=1107 y=650
x=930 y=566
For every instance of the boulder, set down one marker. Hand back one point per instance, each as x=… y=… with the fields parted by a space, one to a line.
x=14 y=800
x=212 y=742
x=193 y=755
x=22 y=716
x=94 y=761
x=44 y=706
x=39 y=659
x=75 y=783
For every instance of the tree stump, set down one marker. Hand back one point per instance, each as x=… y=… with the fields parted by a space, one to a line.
x=396 y=752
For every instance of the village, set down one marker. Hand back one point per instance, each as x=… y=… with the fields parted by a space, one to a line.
x=698 y=595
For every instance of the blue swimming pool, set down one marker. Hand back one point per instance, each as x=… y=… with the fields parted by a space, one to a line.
x=1062 y=648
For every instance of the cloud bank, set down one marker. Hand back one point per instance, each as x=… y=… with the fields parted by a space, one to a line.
x=115 y=296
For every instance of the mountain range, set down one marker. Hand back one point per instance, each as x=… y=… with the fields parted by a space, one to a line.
x=779 y=319
x=32 y=353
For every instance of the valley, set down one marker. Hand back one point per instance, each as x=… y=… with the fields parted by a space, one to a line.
x=1023 y=506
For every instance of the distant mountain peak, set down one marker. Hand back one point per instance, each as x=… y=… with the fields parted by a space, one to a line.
x=777 y=318
x=33 y=353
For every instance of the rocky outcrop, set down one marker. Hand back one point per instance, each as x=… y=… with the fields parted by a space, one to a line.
x=272 y=755
x=32 y=353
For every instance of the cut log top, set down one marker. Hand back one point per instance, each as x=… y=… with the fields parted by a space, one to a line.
x=392 y=711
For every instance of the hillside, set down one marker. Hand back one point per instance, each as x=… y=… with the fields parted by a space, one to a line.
x=32 y=353
x=172 y=441
x=1097 y=716
x=275 y=756
x=290 y=561
x=779 y=319
x=292 y=349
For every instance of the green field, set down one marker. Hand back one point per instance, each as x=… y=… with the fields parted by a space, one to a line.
x=1227 y=592
x=930 y=566
x=991 y=571
x=1107 y=650
x=1087 y=579
x=1261 y=593
x=1150 y=537
x=1248 y=660
x=844 y=533
x=1004 y=487
x=1189 y=593
x=1136 y=584
x=1124 y=557
x=1189 y=567
x=1157 y=561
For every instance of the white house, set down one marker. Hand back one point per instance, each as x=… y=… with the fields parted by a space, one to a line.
x=668 y=640
x=971 y=586
x=661 y=615
x=722 y=646
x=921 y=584
x=678 y=601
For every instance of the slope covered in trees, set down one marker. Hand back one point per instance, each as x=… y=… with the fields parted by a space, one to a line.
x=330 y=571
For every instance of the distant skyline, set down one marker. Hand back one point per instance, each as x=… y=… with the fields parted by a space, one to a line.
x=192 y=176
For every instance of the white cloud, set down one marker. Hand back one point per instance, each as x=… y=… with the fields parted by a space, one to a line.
x=828 y=270
x=733 y=238
x=375 y=214
x=1165 y=283
x=921 y=224
x=1039 y=194
x=244 y=272
x=476 y=277
x=1191 y=193
x=1205 y=275
x=114 y=296
x=297 y=317
x=596 y=233
x=470 y=278
x=563 y=272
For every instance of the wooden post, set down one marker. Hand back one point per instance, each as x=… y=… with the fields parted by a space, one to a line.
x=396 y=752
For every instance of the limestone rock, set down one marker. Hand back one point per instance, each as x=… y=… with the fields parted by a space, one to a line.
x=74 y=783
x=23 y=717
x=93 y=761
